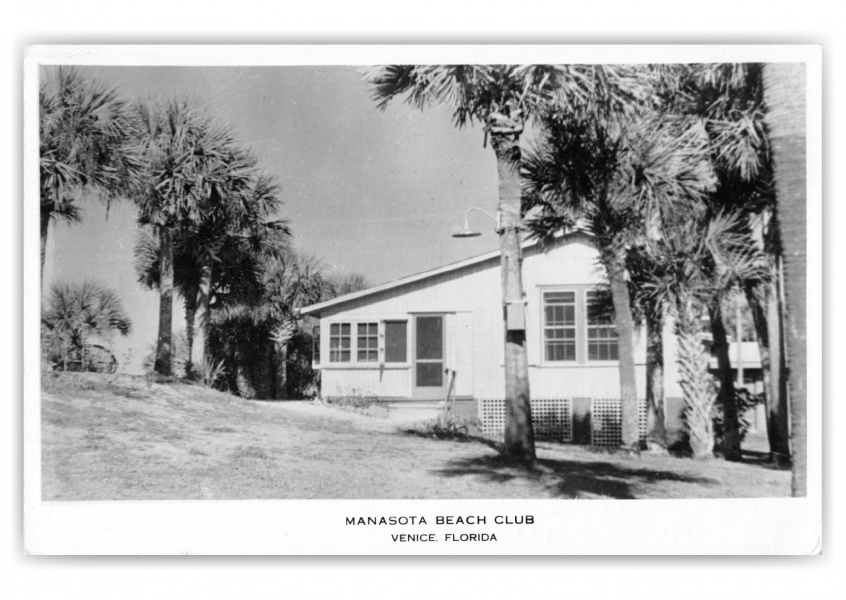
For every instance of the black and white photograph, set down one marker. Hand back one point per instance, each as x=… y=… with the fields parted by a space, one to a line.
x=450 y=290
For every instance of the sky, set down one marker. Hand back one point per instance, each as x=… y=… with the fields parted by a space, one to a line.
x=367 y=191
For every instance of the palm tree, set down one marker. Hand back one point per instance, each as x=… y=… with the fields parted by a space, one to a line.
x=252 y=329
x=699 y=258
x=784 y=91
x=503 y=98
x=82 y=128
x=75 y=315
x=246 y=226
x=291 y=282
x=729 y=100
x=622 y=175
x=649 y=311
x=182 y=163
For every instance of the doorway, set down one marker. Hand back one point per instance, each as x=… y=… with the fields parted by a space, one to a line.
x=428 y=357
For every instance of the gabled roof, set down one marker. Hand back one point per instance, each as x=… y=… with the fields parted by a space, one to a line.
x=467 y=262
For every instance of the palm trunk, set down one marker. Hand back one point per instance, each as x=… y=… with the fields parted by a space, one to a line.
x=190 y=319
x=768 y=330
x=45 y=229
x=164 y=345
x=519 y=433
x=625 y=340
x=199 y=348
x=698 y=389
x=262 y=371
x=727 y=397
x=656 y=432
x=283 y=338
x=244 y=381
x=281 y=371
x=784 y=91
x=46 y=214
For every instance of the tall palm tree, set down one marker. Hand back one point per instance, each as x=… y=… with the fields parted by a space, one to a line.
x=650 y=311
x=784 y=92
x=729 y=100
x=245 y=226
x=182 y=168
x=503 y=98
x=700 y=257
x=623 y=176
x=82 y=128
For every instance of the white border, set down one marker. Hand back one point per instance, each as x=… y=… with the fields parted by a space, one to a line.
x=777 y=526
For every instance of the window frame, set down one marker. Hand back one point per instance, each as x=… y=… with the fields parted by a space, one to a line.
x=354 y=348
x=580 y=292
x=340 y=349
x=574 y=327
x=368 y=336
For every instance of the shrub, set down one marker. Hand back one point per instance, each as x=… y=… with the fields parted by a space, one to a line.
x=354 y=401
x=210 y=373
x=75 y=317
x=448 y=425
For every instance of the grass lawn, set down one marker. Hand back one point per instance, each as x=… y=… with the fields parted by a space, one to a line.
x=122 y=438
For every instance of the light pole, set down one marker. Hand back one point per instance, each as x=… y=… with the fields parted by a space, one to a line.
x=466 y=232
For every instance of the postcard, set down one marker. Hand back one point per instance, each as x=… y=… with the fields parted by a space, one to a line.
x=422 y=300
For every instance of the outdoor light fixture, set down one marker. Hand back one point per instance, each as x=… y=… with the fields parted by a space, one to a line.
x=467 y=232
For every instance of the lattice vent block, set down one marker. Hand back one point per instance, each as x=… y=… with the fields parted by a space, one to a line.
x=607 y=422
x=552 y=418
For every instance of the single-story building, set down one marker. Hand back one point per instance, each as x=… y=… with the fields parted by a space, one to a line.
x=414 y=341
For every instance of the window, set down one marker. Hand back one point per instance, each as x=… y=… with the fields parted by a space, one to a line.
x=367 y=342
x=601 y=333
x=559 y=326
x=396 y=341
x=339 y=342
x=315 y=345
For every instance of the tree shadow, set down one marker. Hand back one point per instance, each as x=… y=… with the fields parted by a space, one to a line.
x=569 y=478
x=453 y=436
x=763 y=460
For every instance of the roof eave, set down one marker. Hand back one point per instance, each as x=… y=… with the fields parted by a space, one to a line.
x=315 y=309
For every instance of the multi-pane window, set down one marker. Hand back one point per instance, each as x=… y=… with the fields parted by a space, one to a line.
x=339 y=342
x=601 y=333
x=367 y=342
x=559 y=326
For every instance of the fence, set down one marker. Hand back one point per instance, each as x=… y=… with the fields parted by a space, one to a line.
x=90 y=358
x=552 y=418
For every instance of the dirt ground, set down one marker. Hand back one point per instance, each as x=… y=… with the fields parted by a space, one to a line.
x=123 y=438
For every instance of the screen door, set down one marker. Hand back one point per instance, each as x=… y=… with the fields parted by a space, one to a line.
x=428 y=356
